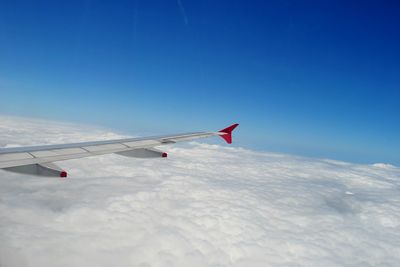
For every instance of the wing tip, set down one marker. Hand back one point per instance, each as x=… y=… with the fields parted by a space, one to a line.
x=227 y=136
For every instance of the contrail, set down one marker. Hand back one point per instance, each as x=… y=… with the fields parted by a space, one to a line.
x=183 y=12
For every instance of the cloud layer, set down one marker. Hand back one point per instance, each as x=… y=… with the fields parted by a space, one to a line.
x=206 y=205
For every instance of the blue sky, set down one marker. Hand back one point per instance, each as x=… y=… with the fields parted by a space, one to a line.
x=310 y=78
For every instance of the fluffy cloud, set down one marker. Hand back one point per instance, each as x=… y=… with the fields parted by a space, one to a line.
x=206 y=205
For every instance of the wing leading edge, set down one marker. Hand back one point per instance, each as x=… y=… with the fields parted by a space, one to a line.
x=38 y=160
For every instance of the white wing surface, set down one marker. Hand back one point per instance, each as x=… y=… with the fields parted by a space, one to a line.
x=37 y=160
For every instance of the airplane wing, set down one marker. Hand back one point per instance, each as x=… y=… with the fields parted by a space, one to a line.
x=38 y=160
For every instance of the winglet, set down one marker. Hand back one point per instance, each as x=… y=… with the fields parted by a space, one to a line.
x=227 y=133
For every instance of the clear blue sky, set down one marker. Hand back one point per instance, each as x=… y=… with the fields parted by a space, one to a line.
x=316 y=78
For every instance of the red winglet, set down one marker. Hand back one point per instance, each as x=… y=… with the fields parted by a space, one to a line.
x=228 y=133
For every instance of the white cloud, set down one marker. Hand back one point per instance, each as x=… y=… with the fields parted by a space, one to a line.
x=206 y=205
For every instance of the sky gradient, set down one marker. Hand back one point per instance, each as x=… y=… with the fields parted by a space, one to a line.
x=316 y=79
